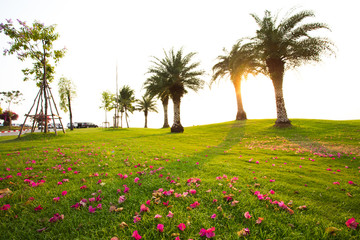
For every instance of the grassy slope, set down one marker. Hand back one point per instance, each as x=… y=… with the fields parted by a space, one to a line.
x=203 y=152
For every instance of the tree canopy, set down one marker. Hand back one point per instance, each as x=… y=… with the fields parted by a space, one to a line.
x=35 y=42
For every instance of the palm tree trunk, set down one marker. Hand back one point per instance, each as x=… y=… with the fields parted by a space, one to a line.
x=165 y=103
x=146 y=115
x=121 y=117
x=276 y=70
x=126 y=118
x=177 y=127
x=241 y=114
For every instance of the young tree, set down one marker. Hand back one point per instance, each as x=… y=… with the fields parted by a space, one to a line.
x=11 y=97
x=107 y=101
x=35 y=42
x=67 y=92
x=181 y=75
x=285 y=45
x=146 y=105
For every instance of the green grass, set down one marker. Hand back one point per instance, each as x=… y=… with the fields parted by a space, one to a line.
x=296 y=158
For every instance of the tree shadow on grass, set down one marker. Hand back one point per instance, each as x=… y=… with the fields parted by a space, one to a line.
x=305 y=138
x=235 y=133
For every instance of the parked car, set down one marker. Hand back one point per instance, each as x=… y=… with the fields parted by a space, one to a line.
x=85 y=125
x=75 y=125
x=57 y=125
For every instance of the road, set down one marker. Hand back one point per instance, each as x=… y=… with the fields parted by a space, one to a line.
x=16 y=132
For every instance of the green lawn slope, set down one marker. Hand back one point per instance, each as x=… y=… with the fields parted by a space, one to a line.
x=243 y=179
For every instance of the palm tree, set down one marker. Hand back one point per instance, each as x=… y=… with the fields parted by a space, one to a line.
x=181 y=75
x=156 y=86
x=238 y=64
x=67 y=93
x=285 y=45
x=146 y=105
x=126 y=100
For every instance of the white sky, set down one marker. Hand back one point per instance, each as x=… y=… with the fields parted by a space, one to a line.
x=99 y=33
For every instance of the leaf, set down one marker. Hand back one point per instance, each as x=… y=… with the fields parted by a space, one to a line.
x=5 y=192
x=123 y=225
x=119 y=209
x=332 y=230
x=302 y=207
x=41 y=229
x=112 y=208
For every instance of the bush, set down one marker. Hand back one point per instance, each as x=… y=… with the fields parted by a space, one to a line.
x=8 y=116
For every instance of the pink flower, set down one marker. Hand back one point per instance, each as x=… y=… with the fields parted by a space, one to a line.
x=38 y=208
x=83 y=187
x=59 y=183
x=76 y=205
x=260 y=197
x=336 y=183
x=209 y=233
x=272 y=180
x=272 y=191
x=160 y=228
x=122 y=199
x=91 y=209
x=56 y=217
x=192 y=191
x=351 y=182
x=137 y=219
x=213 y=216
x=148 y=202
x=56 y=199
x=99 y=206
x=64 y=193
x=136 y=179
x=5 y=207
x=170 y=215
x=143 y=208
x=244 y=232
x=136 y=235
x=351 y=223
x=195 y=204
x=158 y=216
x=259 y=220
x=247 y=215
x=182 y=226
